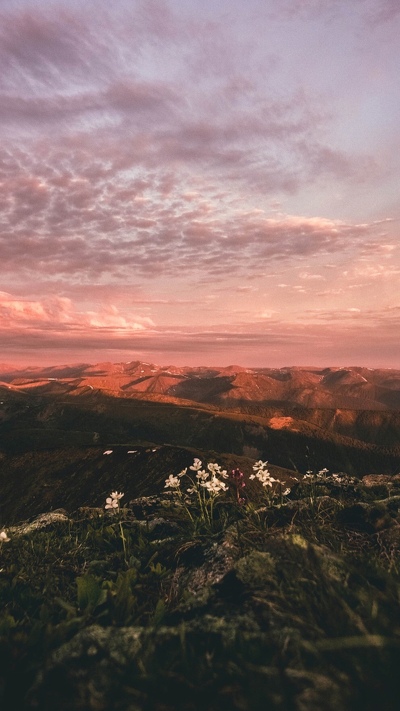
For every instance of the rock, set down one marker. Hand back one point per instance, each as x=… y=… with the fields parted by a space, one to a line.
x=43 y=521
x=381 y=485
x=375 y=480
x=160 y=528
x=145 y=506
x=368 y=518
x=218 y=560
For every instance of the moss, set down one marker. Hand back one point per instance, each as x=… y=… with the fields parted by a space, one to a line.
x=256 y=569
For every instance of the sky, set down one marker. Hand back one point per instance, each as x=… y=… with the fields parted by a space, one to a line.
x=200 y=182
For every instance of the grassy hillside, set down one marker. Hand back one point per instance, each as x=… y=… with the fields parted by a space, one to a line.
x=290 y=606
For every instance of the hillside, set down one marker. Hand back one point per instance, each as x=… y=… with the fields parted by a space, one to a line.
x=49 y=415
x=287 y=605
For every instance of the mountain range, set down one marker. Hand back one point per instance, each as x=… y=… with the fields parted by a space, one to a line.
x=230 y=387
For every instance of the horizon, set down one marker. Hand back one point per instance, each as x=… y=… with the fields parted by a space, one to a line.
x=76 y=364
x=200 y=184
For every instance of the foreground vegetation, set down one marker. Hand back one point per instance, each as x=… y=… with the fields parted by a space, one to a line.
x=238 y=595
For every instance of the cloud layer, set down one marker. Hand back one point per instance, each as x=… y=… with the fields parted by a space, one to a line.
x=156 y=155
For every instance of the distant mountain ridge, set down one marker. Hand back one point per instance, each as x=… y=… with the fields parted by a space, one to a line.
x=355 y=388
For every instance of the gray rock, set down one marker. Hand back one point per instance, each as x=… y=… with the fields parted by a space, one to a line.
x=43 y=521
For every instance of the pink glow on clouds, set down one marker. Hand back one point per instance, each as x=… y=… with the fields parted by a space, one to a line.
x=200 y=184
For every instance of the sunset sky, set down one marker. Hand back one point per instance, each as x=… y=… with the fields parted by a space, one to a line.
x=200 y=182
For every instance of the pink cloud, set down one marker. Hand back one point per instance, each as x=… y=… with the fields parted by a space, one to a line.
x=146 y=150
x=59 y=315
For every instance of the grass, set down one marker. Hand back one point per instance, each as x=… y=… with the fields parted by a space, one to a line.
x=290 y=607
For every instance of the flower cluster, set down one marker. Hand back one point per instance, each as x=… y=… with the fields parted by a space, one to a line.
x=205 y=485
x=262 y=474
x=267 y=480
x=208 y=479
x=323 y=477
x=112 y=501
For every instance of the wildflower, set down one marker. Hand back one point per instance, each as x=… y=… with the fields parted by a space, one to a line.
x=214 y=486
x=286 y=492
x=202 y=475
x=197 y=464
x=259 y=465
x=236 y=481
x=108 y=451
x=172 y=482
x=216 y=469
x=264 y=477
x=337 y=478
x=112 y=501
x=3 y=537
x=183 y=472
x=238 y=478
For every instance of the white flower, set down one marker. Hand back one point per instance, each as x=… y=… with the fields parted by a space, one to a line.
x=286 y=492
x=216 y=469
x=111 y=503
x=4 y=538
x=183 y=472
x=214 y=486
x=259 y=465
x=264 y=477
x=267 y=482
x=202 y=474
x=173 y=482
x=197 y=464
x=108 y=451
